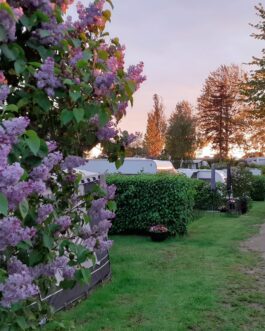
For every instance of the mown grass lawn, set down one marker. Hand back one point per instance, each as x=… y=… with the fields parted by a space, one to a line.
x=200 y=282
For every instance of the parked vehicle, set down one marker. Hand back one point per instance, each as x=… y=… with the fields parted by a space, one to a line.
x=203 y=174
x=131 y=166
x=256 y=160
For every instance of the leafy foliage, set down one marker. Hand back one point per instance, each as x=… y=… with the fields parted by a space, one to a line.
x=257 y=192
x=154 y=139
x=181 y=134
x=147 y=200
x=205 y=198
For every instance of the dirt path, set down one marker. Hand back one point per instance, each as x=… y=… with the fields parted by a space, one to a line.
x=257 y=243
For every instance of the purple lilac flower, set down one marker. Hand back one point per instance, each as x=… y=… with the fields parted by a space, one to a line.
x=4 y=91
x=128 y=139
x=72 y=161
x=52 y=146
x=110 y=189
x=59 y=265
x=122 y=106
x=107 y=132
x=54 y=32
x=46 y=79
x=42 y=5
x=8 y=23
x=4 y=151
x=64 y=222
x=17 y=287
x=20 y=191
x=15 y=127
x=52 y=159
x=40 y=173
x=98 y=212
x=11 y=175
x=12 y=232
x=113 y=64
x=103 y=83
x=16 y=266
x=94 y=120
x=91 y=16
x=76 y=56
x=43 y=212
x=135 y=74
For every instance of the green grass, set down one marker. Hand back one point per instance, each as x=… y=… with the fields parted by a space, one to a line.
x=200 y=282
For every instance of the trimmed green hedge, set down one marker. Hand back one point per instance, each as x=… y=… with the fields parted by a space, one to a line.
x=205 y=198
x=257 y=192
x=146 y=200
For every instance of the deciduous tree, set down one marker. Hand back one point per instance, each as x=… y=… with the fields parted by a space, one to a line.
x=156 y=128
x=181 y=133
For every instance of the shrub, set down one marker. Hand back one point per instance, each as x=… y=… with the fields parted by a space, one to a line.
x=147 y=200
x=258 y=188
x=205 y=198
x=241 y=182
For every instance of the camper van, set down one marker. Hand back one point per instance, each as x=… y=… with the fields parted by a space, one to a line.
x=131 y=166
x=203 y=174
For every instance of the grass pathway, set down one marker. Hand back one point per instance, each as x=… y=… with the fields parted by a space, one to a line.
x=201 y=282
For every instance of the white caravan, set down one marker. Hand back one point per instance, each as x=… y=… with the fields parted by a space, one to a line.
x=204 y=174
x=131 y=166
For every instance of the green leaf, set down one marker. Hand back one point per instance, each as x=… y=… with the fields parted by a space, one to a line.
x=102 y=54
x=11 y=55
x=24 y=208
x=22 y=103
x=33 y=141
x=21 y=322
x=75 y=95
x=2 y=34
x=42 y=100
x=83 y=275
x=79 y=114
x=12 y=108
x=68 y=81
x=47 y=241
x=3 y=204
x=112 y=206
x=103 y=117
x=20 y=66
x=66 y=116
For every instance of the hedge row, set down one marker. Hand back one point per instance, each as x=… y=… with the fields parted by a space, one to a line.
x=205 y=198
x=146 y=200
x=257 y=192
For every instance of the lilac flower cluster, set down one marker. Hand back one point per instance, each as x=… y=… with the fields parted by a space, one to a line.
x=103 y=83
x=43 y=212
x=4 y=91
x=12 y=232
x=46 y=79
x=42 y=172
x=17 y=287
x=64 y=222
x=51 y=33
x=135 y=74
x=8 y=22
x=128 y=138
x=76 y=56
x=51 y=269
x=107 y=132
x=90 y=17
x=71 y=162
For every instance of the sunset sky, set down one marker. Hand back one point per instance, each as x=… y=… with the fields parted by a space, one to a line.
x=180 y=42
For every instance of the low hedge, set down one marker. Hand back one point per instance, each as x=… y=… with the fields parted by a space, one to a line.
x=257 y=192
x=205 y=198
x=146 y=200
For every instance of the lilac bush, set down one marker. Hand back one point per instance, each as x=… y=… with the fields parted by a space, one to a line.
x=63 y=89
x=39 y=226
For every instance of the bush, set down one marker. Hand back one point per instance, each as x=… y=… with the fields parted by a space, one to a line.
x=205 y=198
x=146 y=200
x=258 y=188
x=241 y=182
